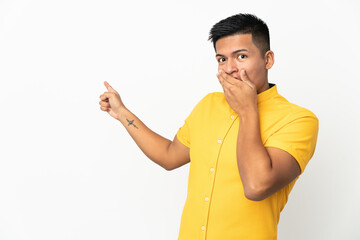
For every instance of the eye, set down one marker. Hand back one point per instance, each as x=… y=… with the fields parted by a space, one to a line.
x=220 y=60
x=242 y=56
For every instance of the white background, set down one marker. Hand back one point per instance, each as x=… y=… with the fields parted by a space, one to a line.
x=70 y=171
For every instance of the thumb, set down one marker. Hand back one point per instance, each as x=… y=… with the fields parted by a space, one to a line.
x=108 y=87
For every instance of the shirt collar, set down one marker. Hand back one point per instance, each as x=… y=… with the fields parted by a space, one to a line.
x=267 y=94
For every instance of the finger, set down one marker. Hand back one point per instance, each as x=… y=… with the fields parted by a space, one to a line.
x=245 y=79
x=244 y=76
x=225 y=84
x=220 y=81
x=223 y=81
x=105 y=96
x=229 y=81
x=104 y=108
x=104 y=104
x=222 y=78
x=228 y=78
x=108 y=87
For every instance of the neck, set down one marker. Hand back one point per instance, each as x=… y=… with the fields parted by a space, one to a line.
x=263 y=88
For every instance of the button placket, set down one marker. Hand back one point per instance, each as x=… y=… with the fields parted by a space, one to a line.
x=206 y=201
x=212 y=178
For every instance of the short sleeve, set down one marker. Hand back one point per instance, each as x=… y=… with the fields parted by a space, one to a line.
x=297 y=137
x=184 y=132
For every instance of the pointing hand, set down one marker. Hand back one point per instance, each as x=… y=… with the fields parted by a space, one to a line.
x=111 y=102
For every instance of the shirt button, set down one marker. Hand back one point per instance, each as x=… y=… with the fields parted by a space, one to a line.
x=202 y=228
x=219 y=141
x=232 y=116
x=206 y=199
x=212 y=169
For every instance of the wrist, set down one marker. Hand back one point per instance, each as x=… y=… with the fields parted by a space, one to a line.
x=248 y=112
x=123 y=111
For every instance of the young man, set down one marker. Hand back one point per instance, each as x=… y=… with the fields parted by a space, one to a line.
x=248 y=144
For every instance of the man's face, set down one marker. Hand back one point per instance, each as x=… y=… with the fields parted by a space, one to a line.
x=238 y=52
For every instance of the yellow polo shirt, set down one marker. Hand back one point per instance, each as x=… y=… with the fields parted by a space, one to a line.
x=216 y=207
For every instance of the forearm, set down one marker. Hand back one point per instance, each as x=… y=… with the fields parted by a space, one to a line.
x=253 y=160
x=152 y=144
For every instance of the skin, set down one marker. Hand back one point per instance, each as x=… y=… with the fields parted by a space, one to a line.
x=242 y=75
x=238 y=52
x=168 y=154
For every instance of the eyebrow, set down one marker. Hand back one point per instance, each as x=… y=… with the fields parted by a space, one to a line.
x=237 y=51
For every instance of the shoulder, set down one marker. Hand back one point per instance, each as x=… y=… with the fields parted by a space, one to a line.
x=210 y=104
x=299 y=123
x=282 y=116
x=298 y=112
x=213 y=96
x=211 y=99
x=292 y=110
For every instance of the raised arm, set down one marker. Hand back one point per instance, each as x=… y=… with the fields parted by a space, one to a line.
x=263 y=171
x=168 y=154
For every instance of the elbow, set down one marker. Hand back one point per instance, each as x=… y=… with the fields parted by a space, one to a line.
x=168 y=167
x=256 y=193
x=254 y=196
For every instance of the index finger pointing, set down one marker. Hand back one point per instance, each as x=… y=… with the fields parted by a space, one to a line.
x=107 y=85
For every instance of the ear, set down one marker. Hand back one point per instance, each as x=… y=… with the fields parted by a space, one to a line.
x=269 y=59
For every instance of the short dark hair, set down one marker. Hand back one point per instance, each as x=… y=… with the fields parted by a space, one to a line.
x=242 y=24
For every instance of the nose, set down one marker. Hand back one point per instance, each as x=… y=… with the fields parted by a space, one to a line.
x=230 y=67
